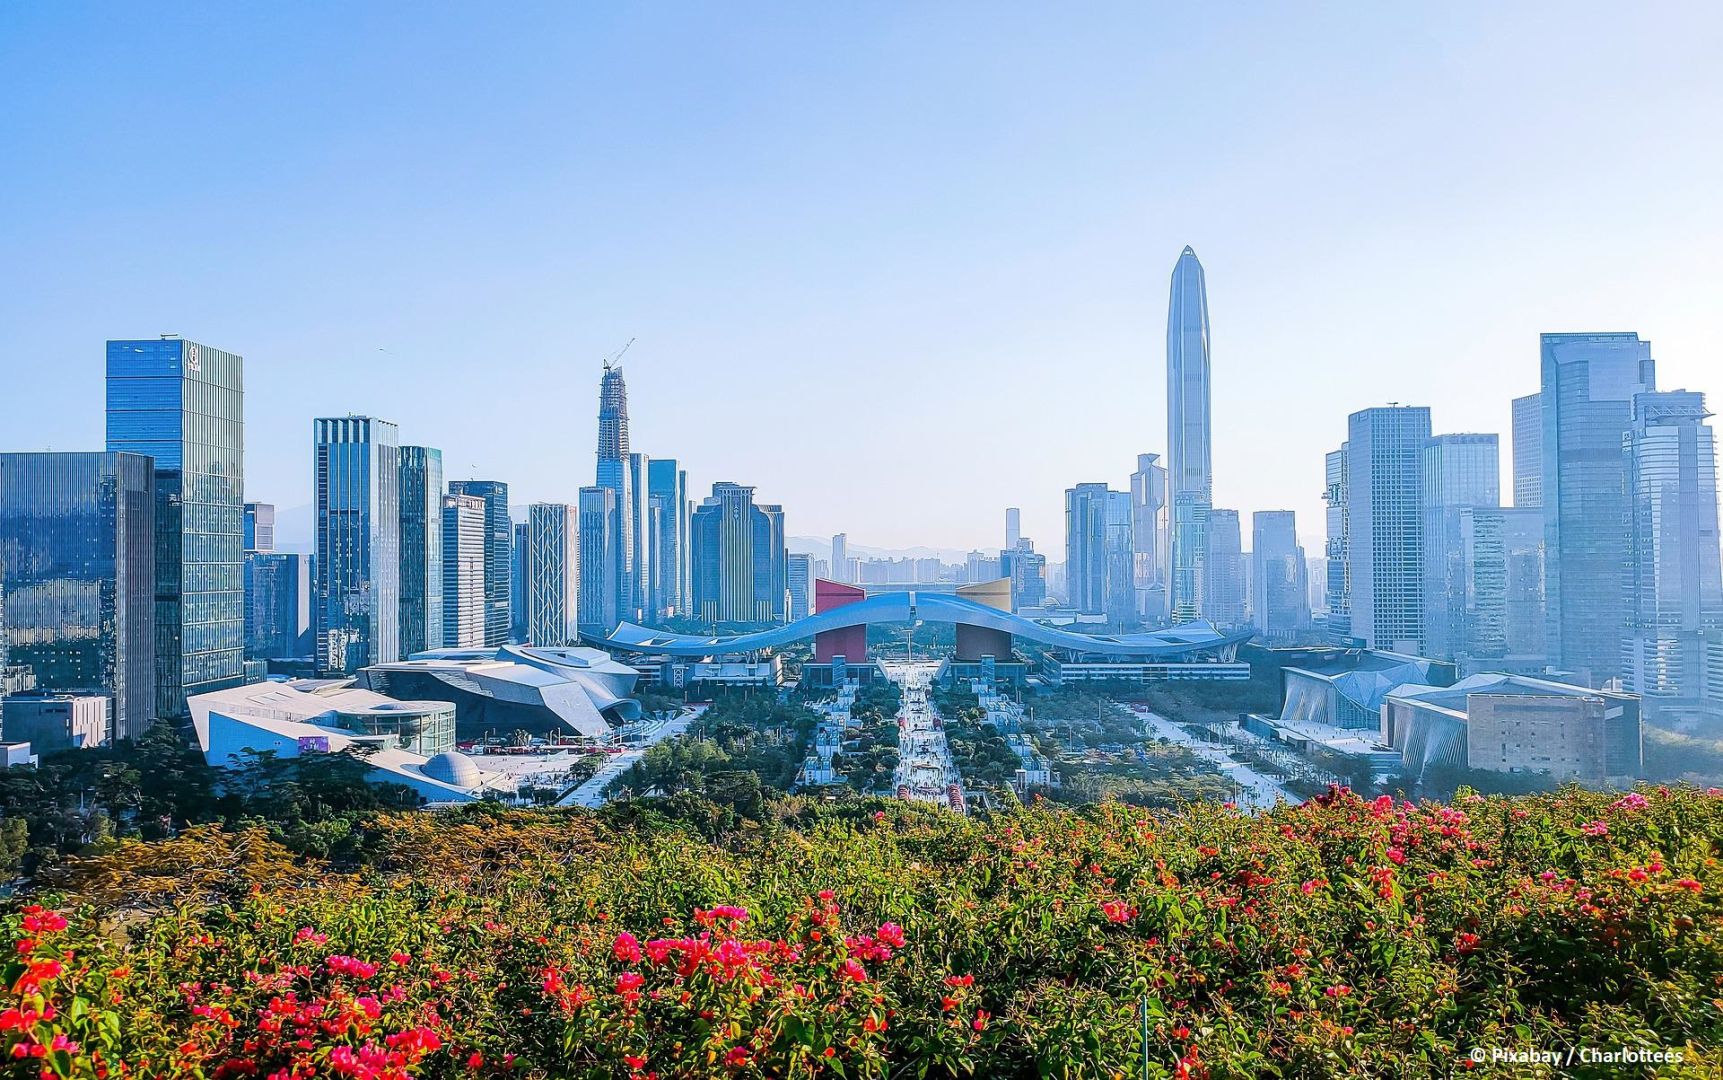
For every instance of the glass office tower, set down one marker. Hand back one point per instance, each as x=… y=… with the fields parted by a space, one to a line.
x=1190 y=478
x=1385 y=525
x=1589 y=382
x=499 y=554
x=358 y=543
x=598 y=560
x=464 y=535
x=1529 y=451
x=668 y=486
x=183 y=404
x=421 y=499
x=553 y=574
x=77 y=574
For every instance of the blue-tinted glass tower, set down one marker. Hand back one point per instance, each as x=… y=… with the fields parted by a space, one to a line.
x=358 y=543
x=421 y=499
x=183 y=404
x=1190 y=478
x=499 y=555
x=77 y=574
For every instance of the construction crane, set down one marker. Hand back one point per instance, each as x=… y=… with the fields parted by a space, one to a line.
x=615 y=358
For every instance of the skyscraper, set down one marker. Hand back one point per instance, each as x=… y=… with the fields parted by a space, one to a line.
x=842 y=567
x=642 y=584
x=1148 y=534
x=259 y=527
x=1282 y=605
x=358 y=502
x=616 y=471
x=1385 y=525
x=517 y=583
x=279 y=619
x=1086 y=547
x=1190 y=480
x=78 y=544
x=1589 y=382
x=1225 y=579
x=1528 y=451
x=1336 y=576
x=801 y=570
x=499 y=554
x=1674 y=588
x=598 y=561
x=183 y=404
x=553 y=574
x=668 y=489
x=1013 y=526
x=421 y=531
x=1465 y=578
x=740 y=567
x=465 y=532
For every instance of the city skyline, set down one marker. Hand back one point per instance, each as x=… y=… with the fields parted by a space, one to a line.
x=341 y=303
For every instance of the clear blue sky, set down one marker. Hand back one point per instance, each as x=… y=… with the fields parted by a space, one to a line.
x=900 y=266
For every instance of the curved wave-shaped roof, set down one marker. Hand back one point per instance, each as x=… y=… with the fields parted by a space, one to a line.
x=1170 y=643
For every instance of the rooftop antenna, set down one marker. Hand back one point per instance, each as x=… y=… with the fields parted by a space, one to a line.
x=615 y=358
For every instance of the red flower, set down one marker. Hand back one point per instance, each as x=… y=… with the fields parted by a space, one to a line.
x=1689 y=884
x=626 y=948
x=890 y=934
x=736 y=1057
x=854 y=971
x=1118 y=911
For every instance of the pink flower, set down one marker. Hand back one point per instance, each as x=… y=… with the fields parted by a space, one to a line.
x=1396 y=856
x=1595 y=828
x=1689 y=884
x=626 y=948
x=853 y=971
x=1631 y=801
x=347 y=965
x=629 y=982
x=890 y=934
x=1118 y=911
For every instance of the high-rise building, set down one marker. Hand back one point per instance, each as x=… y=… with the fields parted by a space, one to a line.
x=259 y=527
x=1190 y=479
x=1589 y=383
x=1225 y=579
x=1465 y=578
x=1336 y=575
x=598 y=561
x=617 y=471
x=843 y=567
x=667 y=484
x=183 y=404
x=421 y=501
x=740 y=566
x=1674 y=588
x=78 y=546
x=1013 y=527
x=1385 y=525
x=1148 y=538
x=642 y=585
x=1281 y=609
x=1027 y=570
x=279 y=622
x=1086 y=547
x=465 y=532
x=553 y=574
x=801 y=571
x=1528 y=451
x=499 y=554
x=517 y=583
x=358 y=501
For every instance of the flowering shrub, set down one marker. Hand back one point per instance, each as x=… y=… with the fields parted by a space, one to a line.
x=1341 y=937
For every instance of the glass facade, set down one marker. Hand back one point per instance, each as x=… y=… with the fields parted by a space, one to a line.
x=1385 y=525
x=741 y=567
x=1225 y=582
x=499 y=554
x=464 y=572
x=1337 y=577
x=183 y=404
x=1279 y=585
x=1190 y=478
x=1589 y=382
x=421 y=500
x=1464 y=573
x=358 y=543
x=78 y=545
x=668 y=485
x=278 y=615
x=1674 y=591
x=1529 y=451
x=598 y=561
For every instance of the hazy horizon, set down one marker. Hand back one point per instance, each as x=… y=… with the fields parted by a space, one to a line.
x=898 y=268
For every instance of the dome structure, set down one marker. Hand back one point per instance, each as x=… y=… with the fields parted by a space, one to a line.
x=454 y=769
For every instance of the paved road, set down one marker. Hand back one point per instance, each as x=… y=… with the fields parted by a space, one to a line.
x=925 y=772
x=1260 y=792
x=591 y=794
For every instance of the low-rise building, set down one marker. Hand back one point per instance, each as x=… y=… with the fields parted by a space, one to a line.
x=1512 y=723
x=50 y=722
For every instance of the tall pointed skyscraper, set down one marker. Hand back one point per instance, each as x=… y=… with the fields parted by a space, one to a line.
x=1190 y=480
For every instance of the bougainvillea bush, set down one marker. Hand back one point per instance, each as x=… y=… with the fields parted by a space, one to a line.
x=1344 y=937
